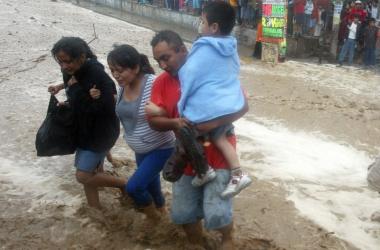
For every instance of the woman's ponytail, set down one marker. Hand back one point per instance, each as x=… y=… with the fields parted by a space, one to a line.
x=145 y=66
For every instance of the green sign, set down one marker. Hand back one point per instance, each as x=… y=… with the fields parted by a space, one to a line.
x=273 y=32
x=274 y=19
x=273 y=22
x=278 y=10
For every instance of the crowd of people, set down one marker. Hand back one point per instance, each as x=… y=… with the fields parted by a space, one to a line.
x=359 y=34
x=247 y=11
x=309 y=17
x=161 y=116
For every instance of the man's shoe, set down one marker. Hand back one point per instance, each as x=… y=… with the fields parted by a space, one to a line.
x=236 y=185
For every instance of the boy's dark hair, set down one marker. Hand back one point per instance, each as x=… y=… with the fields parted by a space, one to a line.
x=168 y=36
x=221 y=13
x=372 y=20
x=72 y=46
x=127 y=56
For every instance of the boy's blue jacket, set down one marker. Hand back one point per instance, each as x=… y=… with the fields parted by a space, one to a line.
x=209 y=79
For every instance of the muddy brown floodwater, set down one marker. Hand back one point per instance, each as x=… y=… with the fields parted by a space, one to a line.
x=42 y=206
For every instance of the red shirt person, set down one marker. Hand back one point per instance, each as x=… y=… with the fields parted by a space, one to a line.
x=358 y=11
x=190 y=204
x=166 y=94
x=299 y=14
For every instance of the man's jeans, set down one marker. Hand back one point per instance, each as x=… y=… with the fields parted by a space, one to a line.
x=369 y=56
x=349 y=46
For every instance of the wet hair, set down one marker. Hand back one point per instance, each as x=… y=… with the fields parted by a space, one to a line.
x=221 y=13
x=74 y=47
x=127 y=56
x=168 y=36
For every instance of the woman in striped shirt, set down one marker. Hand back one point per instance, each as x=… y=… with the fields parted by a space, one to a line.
x=135 y=77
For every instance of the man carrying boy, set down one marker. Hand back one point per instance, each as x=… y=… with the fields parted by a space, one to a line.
x=190 y=204
x=212 y=92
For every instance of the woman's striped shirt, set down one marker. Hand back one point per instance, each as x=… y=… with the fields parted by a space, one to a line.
x=137 y=133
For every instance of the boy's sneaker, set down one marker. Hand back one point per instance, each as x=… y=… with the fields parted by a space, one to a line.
x=207 y=177
x=236 y=185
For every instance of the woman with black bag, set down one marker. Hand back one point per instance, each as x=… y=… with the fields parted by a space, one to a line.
x=96 y=126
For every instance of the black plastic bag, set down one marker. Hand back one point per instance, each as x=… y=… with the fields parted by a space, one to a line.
x=173 y=168
x=56 y=134
x=176 y=163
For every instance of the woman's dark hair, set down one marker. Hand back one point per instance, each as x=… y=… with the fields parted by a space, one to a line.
x=127 y=56
x=72 y=46
x=221 y=13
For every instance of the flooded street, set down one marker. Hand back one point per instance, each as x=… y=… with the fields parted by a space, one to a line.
x=311 y=132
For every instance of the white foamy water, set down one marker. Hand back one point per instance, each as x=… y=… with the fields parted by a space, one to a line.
x=40 y=181
x=326 y=179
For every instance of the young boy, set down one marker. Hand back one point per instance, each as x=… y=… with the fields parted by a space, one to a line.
x=210 y=88
x=350 y=42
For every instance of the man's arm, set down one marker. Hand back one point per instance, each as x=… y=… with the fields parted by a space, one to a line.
x=210 y=125
x=152 y=109
x=157 y=118
x=163 y=123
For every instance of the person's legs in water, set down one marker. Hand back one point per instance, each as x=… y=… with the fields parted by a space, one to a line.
x=154 y=188
x=218 y=210
x=116 y=162
x=186 y=208
x=194 y=232
x=139 y=186
x=191 y=204
x=86 y=163
x=227 y=237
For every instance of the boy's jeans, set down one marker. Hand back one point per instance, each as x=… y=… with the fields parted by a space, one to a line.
x=369 y=56
x=349 y=46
